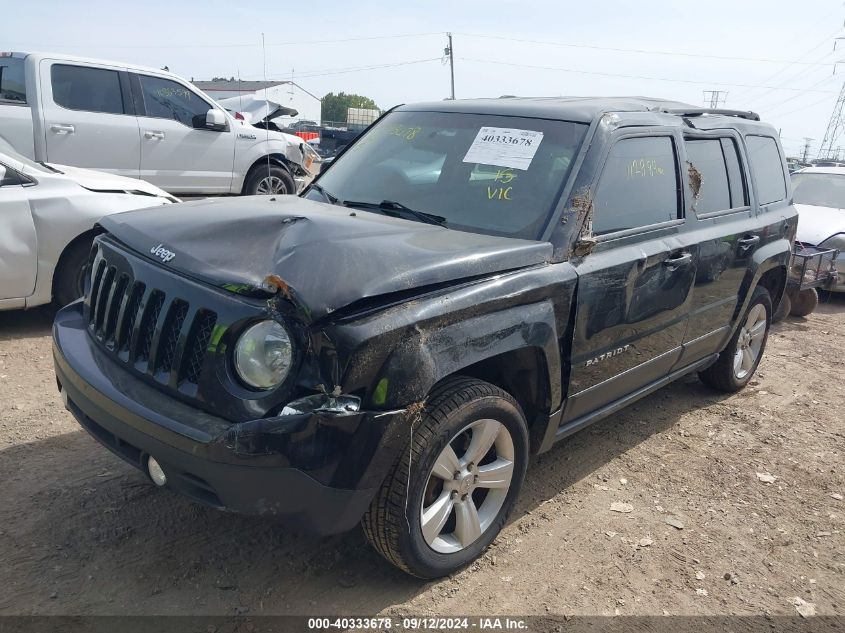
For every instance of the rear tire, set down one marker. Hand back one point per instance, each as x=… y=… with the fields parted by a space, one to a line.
x=739 y=360
x=273 y=180
x=429 y=523
x=69 y=278
x=805 y=303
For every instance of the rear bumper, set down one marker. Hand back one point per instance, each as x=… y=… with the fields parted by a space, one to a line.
x=269 y=466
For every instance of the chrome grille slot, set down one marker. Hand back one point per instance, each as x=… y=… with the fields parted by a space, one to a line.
x=116 y=298
x=130 y=315
x=148 y=324
x=102 y=299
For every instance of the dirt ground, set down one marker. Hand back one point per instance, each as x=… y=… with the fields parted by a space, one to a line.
x=83 y=533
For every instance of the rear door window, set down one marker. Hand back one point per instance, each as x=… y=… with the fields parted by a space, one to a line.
x=714 y=192
x=166 y=99
x=86 y=88
x=767 y=168
x=12 y=84
x=638 y=187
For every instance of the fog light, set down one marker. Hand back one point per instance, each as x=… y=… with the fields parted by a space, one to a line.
x=156 y=473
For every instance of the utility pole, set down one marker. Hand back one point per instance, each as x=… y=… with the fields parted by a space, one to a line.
x=450 y=53
x=807 y=140
x=715 y=98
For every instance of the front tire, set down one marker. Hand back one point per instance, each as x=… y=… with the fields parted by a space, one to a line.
x=739 y=360
x=266 y=180
x=450 y=493
x=69 y=278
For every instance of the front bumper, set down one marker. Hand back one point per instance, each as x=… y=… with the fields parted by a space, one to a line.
x=318 y=471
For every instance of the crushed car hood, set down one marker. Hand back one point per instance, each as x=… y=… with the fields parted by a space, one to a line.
x=112 y=183
x=328 y=256
x=816 y=224
x=255 y=109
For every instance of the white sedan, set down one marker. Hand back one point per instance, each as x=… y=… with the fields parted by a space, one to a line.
x=820 y=200
x=48 y=215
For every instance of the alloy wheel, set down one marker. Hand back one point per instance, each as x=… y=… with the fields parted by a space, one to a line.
x=270 y=185
x=467 y=486
x=750 y=341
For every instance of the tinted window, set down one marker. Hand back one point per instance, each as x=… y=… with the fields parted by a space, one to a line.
x=767 y=168
x=441 y=163
x=706 y=156
x=638 y=187
x=739 y=196
x=12 y=85
x=165 y=99
x=89 y=89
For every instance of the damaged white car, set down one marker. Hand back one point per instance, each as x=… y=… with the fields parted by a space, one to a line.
x=48 y=215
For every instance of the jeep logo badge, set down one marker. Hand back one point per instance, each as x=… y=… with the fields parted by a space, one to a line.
x=162 y=253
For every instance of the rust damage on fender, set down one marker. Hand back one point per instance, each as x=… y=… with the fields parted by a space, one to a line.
x=695 y=180
x=582 y=210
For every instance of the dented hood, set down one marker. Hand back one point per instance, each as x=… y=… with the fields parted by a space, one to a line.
x=329 y=256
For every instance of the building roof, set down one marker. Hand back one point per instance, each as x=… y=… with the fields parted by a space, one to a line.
x=238 y=86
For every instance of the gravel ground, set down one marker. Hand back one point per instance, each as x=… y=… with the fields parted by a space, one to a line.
x=730 y=505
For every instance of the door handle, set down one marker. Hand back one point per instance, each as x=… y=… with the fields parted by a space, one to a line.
x=154 y=134
x=673 y=263
x=748 y=242
x=62 y=128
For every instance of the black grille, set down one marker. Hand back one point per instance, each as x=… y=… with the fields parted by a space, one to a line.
x=153 y=333
x=148 y=324
x=198 y=339
x=170 y=335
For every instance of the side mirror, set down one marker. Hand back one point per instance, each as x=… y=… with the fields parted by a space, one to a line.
x=215 y=120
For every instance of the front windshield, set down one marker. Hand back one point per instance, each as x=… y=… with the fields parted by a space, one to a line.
x=503 y=179
x=820 y=190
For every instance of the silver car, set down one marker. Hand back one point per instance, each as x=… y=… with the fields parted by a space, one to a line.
x=48 y=215
x=820 y=200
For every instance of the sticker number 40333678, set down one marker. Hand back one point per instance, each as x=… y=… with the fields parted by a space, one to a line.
x=504 y=147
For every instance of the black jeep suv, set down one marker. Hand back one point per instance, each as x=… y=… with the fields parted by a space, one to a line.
x=470 y=282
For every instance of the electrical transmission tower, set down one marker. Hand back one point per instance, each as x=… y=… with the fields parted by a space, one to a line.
x=714 y=98
x=829 y=149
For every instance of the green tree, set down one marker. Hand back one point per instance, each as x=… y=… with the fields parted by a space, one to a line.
x=334 y=106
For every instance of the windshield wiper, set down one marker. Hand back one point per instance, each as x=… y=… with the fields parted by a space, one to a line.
x=398 y=210
x=332 y=199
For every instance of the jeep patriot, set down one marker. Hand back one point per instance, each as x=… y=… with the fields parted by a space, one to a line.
x=468 y=283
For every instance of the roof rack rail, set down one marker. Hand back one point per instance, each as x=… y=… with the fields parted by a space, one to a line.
x=742 y=114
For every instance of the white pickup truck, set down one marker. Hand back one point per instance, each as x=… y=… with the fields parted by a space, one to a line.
x=143 y=123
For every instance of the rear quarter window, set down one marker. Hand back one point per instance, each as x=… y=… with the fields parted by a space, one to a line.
x=12 y=84
x=767 y=168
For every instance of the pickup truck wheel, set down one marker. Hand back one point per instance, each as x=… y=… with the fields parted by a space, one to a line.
x=264 y=181
x=450 y=493
x=69 y=278
x=805 y=303
x=738 y=361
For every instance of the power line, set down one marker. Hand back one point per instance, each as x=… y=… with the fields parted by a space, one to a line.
x=234 y=45
x=799 y=95
x=353 y=69
x=642 y=51
x=588 y=72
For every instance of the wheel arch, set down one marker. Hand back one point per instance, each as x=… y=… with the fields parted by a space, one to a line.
x=88 y=235
x=274 y=158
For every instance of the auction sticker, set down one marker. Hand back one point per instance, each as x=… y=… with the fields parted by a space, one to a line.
x=504 y=147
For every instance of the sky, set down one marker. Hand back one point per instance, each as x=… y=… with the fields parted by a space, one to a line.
x=772 y=56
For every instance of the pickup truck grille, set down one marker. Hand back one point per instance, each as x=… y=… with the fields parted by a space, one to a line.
x=153 y=333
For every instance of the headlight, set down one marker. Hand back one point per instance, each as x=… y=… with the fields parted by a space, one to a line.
x=263 y=355
x=835 y=241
